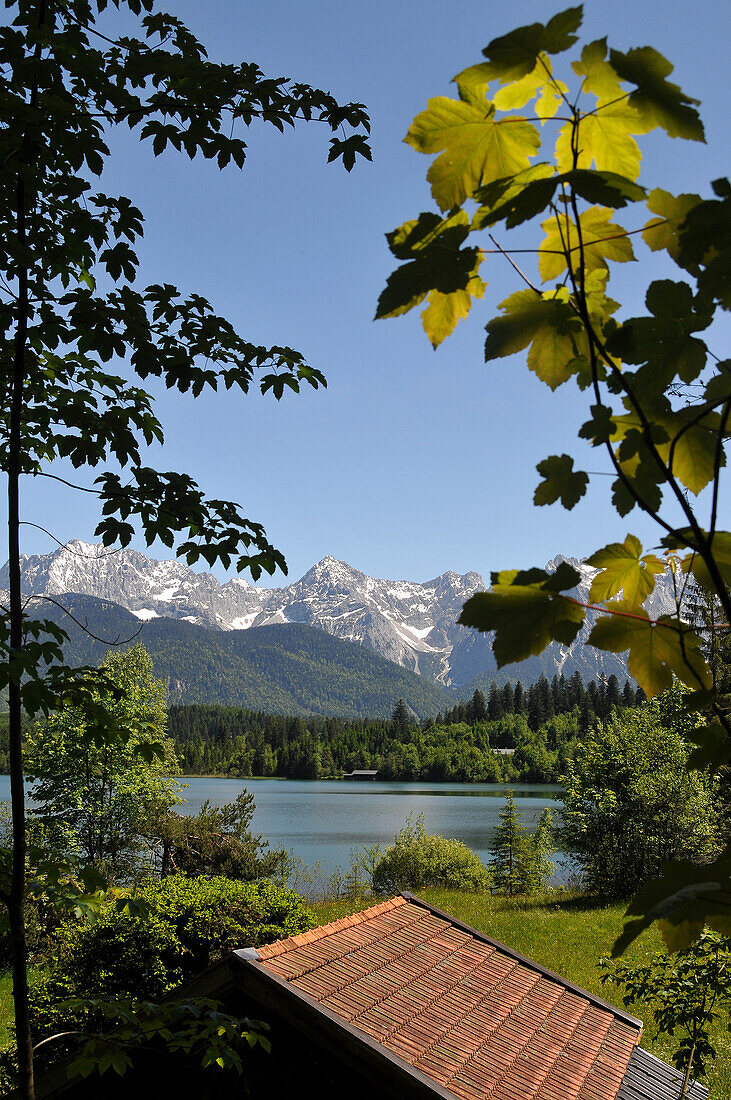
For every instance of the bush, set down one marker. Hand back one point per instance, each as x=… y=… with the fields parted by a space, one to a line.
x=416 y=859
x=189 y=923
x=630 y=802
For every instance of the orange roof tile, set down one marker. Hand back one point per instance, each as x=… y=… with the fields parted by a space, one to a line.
x=476 y=1018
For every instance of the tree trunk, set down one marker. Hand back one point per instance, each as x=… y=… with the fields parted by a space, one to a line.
x=16 y=906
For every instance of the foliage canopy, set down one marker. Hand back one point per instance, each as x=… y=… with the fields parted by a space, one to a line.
x=659 y=396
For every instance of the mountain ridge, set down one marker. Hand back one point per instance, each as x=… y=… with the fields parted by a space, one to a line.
x=411 y=624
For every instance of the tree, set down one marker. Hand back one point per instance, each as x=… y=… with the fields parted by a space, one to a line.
x=687 y=993
x=69 y=307
x=93 y=798
x=216 y=841
x=631 y=804
x=520 y=860
x=400 y=719
x=507 y=848
x=659 y=397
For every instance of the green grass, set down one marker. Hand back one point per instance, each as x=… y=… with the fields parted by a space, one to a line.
x=569 y=935
x=6 y=1006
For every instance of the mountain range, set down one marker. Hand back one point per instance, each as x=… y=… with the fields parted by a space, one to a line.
x=409 y=624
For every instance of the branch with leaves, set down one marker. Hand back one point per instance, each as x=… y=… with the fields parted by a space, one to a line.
x=659 y=397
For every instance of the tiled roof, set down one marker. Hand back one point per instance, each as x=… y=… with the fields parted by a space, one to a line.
x=471 y=1015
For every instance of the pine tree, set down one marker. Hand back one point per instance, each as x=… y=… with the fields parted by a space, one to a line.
x=400 y=719
x=479 y=706
x=614 y=699
x=518 y=698
x=494 y=704
x=628 y=695
x=507 y=849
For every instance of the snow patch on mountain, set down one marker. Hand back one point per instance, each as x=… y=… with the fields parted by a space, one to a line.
x=413 y=624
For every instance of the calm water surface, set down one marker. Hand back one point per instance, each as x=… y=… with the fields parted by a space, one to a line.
x=320 y=821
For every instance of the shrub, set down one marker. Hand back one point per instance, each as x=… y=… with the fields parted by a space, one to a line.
x=188 y=924
x=416 y=859
x=630 y=802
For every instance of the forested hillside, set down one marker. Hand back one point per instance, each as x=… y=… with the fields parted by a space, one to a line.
x=286 y=668
x=542 y=725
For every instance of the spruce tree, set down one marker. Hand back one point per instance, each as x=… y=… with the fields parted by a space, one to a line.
x=494 y=704
x=507 y=849
x=628 y=695
x=479 y=706
x=400 y=719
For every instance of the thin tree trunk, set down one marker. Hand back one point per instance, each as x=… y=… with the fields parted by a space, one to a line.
x=689 y=1067
x=16 y=902
x=16 y=905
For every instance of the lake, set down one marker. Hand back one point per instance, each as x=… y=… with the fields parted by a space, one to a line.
x=320 y=821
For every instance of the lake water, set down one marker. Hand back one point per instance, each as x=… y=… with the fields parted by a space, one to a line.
x=320 y=821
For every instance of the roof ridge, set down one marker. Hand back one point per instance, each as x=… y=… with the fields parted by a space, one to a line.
x=280 y=947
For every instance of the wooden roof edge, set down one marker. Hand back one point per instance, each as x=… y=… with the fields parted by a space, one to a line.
x=284 y=992
x=593 y=999
x=313 y=935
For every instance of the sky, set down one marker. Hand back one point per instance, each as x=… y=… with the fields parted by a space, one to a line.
x=412 y=462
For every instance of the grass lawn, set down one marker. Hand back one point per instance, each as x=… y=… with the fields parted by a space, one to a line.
x=569 y=936
x=6 y=1006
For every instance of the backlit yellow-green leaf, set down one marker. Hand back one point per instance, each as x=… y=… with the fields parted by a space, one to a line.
x=605 y=141
x=662 y=232
x=657 y=650
x=683 y=899
x=694 y=452
x=444 y=311
x=548 y=324
x=602 y=240
x=474 y=147
x=600 y=79
x=695 y=564
x=525 y=619
x=539 y=82
x=623 y=569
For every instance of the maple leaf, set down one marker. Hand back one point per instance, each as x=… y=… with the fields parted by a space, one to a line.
x=623 y=569
x=602 y=240
x=475 y=148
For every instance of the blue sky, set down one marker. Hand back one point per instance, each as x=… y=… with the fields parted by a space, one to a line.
x=412 y=462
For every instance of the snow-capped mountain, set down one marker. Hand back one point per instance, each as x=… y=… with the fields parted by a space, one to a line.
x=412 y=624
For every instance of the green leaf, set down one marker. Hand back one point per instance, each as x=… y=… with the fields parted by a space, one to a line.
x=714 y=747
x=683 y=900
x=623 y=569
x=604 y=141
x=444 y=311
x=605 y=188
x=561 y=482
x=414 y=237
x=437 y=268
x=658 y=102
x=526 y=612
x=522 y=197
x=514 y=55
x=599 y=78
x=658 y=650
x=664 y=341
x=662 y=232
x=539 y=82
x=704 y=240
x=549 y=325
x=602 y=240
x=475 y=148
x=516 y=198
x=694 y=563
